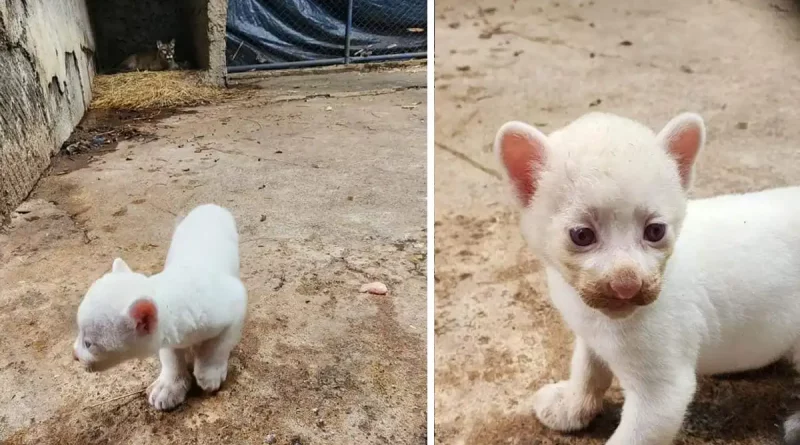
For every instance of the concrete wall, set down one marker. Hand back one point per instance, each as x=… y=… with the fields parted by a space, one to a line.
x=46 y=72
x=209 y=18
x=217 y=12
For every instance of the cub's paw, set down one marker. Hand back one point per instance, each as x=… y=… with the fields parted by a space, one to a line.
x=210 y=378
x=168 y=392
x=559 y=406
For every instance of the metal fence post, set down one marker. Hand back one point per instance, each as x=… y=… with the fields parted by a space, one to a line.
x=347 y=29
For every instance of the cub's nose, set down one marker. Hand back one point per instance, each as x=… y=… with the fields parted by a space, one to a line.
x=625 y=288
x=74 y=355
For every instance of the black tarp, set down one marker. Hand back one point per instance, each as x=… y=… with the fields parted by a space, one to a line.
x=271 y=31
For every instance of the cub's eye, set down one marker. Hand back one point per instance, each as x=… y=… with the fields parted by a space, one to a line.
x=655 y=232
x=87 y=344
x=582 y=236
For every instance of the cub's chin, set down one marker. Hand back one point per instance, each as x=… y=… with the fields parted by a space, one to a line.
x=616 y=309
x=619 y=313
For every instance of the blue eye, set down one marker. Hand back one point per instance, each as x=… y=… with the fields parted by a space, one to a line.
x=87 y=344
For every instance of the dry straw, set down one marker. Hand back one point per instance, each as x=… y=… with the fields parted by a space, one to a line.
x=153 y=90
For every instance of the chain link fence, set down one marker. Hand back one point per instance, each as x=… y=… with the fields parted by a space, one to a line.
x=268 y=34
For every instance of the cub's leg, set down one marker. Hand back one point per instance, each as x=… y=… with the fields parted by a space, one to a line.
x=211 y=358
x=656 y=401
x=170 y=388
x=571 y=405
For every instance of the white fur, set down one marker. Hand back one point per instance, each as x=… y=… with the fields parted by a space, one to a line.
x=730 y=294
x=201 y=306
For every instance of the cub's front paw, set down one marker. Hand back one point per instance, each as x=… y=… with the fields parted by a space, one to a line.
x=561 y=407
x=168 y=392
x=210 y=377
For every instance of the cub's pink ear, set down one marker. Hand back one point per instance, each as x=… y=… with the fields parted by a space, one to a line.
x=683 y=138
x=521 y=150
x=144 y=313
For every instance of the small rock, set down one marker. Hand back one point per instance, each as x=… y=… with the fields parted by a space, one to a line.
x=742 y=126
x=454 y=25
x=270 y=438
x=186 y=169
x=463 y=68
x=596 y=102
x=591 y=55
x=329 y=108
x=315 y=410
x=687 y=69
x=263 y=218
x=376 y=288
x=625 y=43
x=518 y=52
x=277 y=152
x=320 y=423
x=314 y=166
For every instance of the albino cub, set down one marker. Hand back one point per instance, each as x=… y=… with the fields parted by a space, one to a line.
x=197 y=304
x=656 y=289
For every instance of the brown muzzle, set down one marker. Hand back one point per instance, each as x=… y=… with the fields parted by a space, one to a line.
x=621 y=288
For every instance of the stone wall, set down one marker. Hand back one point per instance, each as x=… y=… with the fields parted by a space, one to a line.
x=46 y=72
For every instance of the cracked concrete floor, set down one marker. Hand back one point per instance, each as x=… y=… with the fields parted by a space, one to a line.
x=328 y=192
x=737 y=62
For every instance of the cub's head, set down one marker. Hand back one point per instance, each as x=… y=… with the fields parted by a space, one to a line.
x=166 y=50
x=117 y=320
x=603 y=200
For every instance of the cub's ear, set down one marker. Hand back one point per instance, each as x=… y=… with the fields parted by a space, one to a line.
x=521 y=150
x=145 y=314
x=120 y=266
x=172 y=43
x=683 y=137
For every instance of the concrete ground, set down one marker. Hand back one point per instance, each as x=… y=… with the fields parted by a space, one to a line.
x=326 y=178
x=498 y=339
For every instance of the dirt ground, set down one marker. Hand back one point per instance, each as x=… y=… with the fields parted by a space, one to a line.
x=326 y=177
x=737 y=62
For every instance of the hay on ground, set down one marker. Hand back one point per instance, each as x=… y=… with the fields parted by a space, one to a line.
x=153 y=90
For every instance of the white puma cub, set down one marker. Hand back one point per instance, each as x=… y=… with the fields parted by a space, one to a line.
x=197 y=303
x=655 y=288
